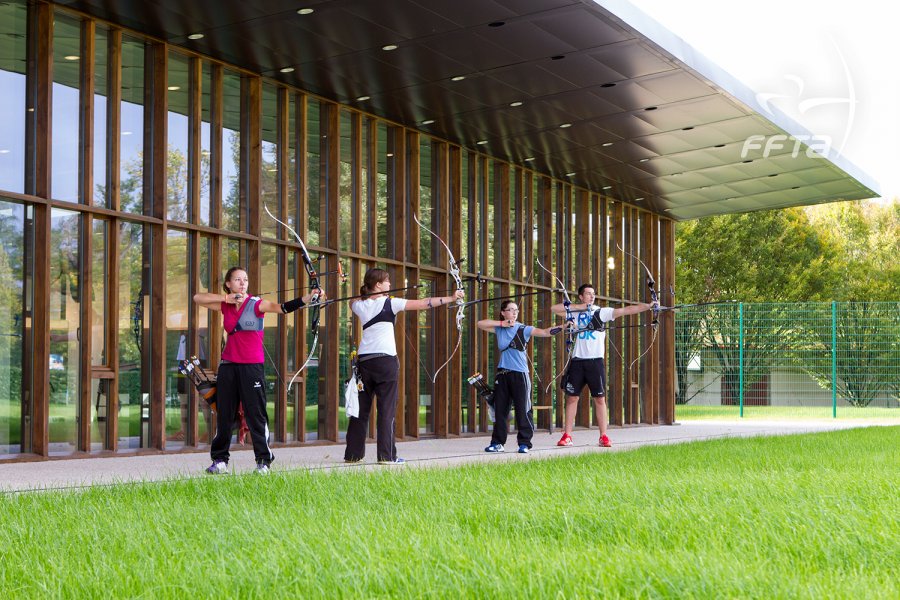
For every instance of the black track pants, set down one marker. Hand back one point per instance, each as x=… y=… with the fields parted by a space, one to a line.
x=241 y=384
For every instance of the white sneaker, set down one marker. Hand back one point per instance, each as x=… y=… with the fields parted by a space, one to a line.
x=262 y=469
x=219 y=467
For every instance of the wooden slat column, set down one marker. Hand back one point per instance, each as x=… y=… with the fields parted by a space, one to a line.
x=667 y=324
x=453 y=185
x=155 y=163
x=615 y=346
x=329 y=340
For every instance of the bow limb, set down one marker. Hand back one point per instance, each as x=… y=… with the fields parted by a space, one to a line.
x=314 y=285
x=654 y=299
x=570 y=341
x=453 y=269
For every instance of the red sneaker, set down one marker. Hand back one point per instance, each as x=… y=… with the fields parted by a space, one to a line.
x=565 y=440
x=604 y=441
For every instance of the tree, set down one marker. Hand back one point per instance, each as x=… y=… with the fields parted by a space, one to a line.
x=754 y=257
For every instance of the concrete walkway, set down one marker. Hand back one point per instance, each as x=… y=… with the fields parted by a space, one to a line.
x=77 y=473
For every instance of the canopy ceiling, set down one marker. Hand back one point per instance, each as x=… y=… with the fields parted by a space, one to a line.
x=592 y=92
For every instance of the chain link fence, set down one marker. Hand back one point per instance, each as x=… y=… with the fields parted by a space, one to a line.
x=773 y=360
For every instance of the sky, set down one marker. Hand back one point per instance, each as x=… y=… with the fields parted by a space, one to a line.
x=830 y=65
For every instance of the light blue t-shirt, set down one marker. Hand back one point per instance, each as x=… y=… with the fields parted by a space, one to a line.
x=514 y=360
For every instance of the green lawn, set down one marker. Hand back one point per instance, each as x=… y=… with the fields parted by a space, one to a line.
x=806 y=516
x=691 y=412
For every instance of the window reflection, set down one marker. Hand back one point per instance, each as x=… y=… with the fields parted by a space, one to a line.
x=13 y=28
x=134 y=322
x=131 y=133
x=65 y=317
x=231 y=151
x=177 y=345
x=177 y=154
x=268 y=180
x=12 y=326
x=65 y=128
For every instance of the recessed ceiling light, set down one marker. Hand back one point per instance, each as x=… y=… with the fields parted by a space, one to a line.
x=306 y=11
x=565 y=125
x=607 y=187
x=606 y=144
x=644 y=160
x=195 y=36
x=286 y=70
x=458 y=78
x=516 y=103
x=389 y=47
x=529 y=159
x=173 y=88
x=427 y=121
x=570 y=174
x=481 y=142
x=71 y=57
x=638 y=199
x=362 y=98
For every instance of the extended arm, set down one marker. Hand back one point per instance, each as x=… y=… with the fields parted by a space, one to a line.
x=435 y=302
x=631 y=310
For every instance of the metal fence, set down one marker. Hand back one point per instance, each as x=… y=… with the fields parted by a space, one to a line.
x=813 y=359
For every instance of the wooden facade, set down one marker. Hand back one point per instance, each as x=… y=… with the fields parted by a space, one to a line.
x=497 y=216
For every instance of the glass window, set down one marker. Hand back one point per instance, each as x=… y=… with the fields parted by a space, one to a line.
x=231 y=151
x=268 y=279
x=98 y=316
x=205 y=217
x=177 y=172
x=313 y=173
x=65 y=122
x=291 y=323
x=425 y=352
x=13 y=29
x=346 y=192
x=204 y=285
x=381 y=197
x=131 y=140
x=492 y=202
x=427 y=214
x=295 y=104
x=133 y=330
x=101 y=83
x=268 y=186
x=177 y=306
x=12 y=325
x=65 y=319
x=367 y=217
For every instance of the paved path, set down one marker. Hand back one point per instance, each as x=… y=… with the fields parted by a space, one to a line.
x=75 y=473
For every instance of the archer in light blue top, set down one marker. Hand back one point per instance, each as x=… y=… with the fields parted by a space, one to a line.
x=513 y=336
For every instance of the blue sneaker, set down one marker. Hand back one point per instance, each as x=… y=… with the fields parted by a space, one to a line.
x=494 y=448
x=523 y=449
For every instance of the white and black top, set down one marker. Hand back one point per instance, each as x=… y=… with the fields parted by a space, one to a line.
x=377 y=316
x=590 y=344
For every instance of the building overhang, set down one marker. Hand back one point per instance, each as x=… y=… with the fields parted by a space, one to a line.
x=590 y=92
